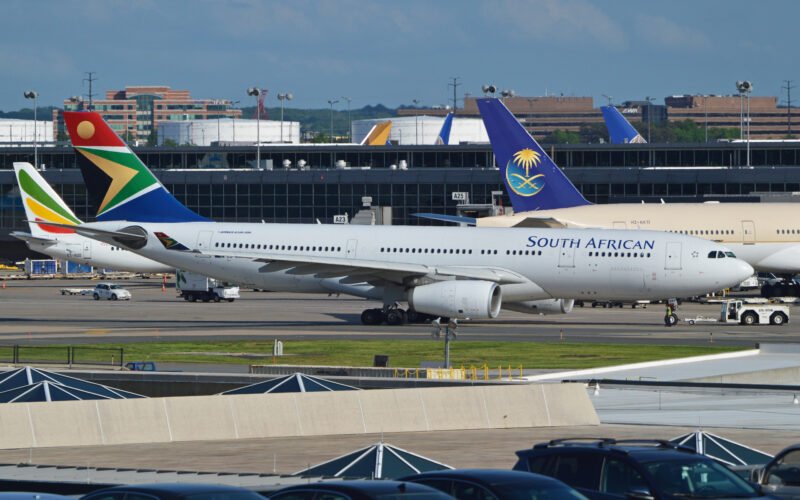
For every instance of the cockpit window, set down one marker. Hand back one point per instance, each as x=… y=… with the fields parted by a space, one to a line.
x=730 y=254
x=716 y=254
x=712 y=254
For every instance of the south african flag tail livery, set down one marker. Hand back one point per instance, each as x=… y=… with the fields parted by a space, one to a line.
x=129 y=191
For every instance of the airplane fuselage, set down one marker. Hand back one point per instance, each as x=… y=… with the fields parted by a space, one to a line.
x=98 y=254
x=555 y=263
x=766 y=235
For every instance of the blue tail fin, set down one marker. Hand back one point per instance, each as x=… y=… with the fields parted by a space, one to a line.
x=619 y=130
x=444 y=134
x=534 y=182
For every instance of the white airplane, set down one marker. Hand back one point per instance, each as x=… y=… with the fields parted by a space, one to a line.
x=448 y=272
x=43 y=204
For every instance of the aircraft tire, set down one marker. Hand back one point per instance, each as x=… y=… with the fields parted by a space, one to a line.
x=372 y=317
x=396 y=317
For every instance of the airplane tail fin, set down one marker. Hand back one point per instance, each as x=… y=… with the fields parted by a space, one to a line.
x=444 y=134
x=42 y=203
x=378 y=135
x=534 y=182
x=619 y=130
x=119 y=184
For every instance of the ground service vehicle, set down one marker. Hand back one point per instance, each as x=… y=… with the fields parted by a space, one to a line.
x=634 y=469
x=495 y=484
x=359 y=490
x=110 y=291
x=737 y=311
x=194 y=287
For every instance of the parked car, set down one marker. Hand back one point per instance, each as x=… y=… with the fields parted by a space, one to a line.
x=110 y=291
x=634 y=469
x=495 y=484
x=169 y=491
x=781 y=476
x=359 y=490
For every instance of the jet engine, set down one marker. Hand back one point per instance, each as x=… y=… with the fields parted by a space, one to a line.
x=457 y=299
x=545 y=306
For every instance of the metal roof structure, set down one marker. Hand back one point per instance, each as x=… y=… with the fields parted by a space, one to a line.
x=721 y=449
x=296 y=382
x=28 y=384
x=378 y=461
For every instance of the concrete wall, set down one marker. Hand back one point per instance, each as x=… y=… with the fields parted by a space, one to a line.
x=202 y=418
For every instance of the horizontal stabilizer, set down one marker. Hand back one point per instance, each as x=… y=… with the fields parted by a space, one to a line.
x=458 y=219
x=33 y=239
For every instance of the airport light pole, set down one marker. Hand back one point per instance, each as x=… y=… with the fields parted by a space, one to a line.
x=332 y=102
x=745 y=87
x=32 y=94
x=609 y=97
x=649 y=100
x=283 y=97
x=416 y=120
x=255 y=91
x=232 y=102
x=349 y=120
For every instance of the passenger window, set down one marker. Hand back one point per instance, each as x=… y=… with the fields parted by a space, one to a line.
x=470 y=491
x=619 y=478
x=439 y=484
x=579 y=471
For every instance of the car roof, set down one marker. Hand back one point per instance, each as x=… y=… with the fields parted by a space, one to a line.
x=484 y=476
x=360 y=486
x=641 y=449
x=176 y=488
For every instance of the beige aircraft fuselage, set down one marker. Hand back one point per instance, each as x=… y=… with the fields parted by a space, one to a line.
x=766 y=235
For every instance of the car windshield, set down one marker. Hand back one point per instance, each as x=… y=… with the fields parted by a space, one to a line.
x=413 y=495
x=698 y=479
x=225 y=495
x=116 y=287
x=531 y=491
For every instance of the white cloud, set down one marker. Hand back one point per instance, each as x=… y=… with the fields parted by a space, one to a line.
x=558 y=20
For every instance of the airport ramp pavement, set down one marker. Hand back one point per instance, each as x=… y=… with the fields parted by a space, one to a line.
x=205 y=418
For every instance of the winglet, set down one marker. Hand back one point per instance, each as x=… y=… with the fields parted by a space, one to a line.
x=533 y=181
x=620 y=131
x=119 y=184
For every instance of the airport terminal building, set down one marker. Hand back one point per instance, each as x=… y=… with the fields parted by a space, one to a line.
x=222 y=182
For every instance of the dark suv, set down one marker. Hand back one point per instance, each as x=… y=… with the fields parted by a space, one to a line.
x=634 y=469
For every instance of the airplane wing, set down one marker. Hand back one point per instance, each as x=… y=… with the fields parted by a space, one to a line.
x=359 y=270
x=27 y=237
x=470 y=221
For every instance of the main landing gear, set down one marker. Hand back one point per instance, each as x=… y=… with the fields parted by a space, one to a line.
x=393 y=316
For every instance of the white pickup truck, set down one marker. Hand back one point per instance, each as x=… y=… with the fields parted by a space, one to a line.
x=110 y=291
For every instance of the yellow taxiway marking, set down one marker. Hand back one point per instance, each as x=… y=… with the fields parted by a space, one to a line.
x=97 y=331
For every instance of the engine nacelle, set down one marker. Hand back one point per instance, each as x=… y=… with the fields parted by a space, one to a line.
x=545 y=306
x=457 y=299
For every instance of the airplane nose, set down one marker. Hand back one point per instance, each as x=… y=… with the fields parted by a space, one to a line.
x=743 y=270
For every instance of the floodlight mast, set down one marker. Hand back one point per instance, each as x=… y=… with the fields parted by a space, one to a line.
x=255 y=91
x=281 y=97
x=32 y=94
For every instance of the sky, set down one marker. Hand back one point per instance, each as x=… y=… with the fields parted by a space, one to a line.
x=392 y=52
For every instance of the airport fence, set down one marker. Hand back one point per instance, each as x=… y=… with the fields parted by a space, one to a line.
x=62 y=355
